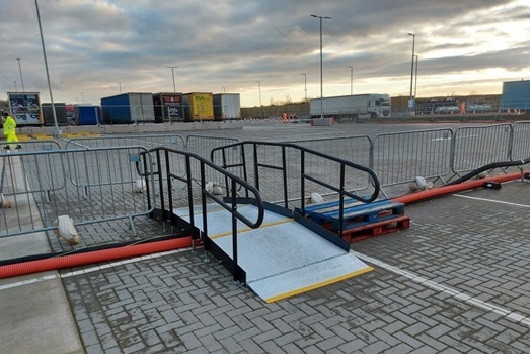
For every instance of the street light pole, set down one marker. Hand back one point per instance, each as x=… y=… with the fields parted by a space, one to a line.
x=305 y=86
x=224 y=89
x=15 y=82
x=411 y=107
x=173 y=75
x=321 y=91
x=351 y=88
x=415 y=75
x=259 y=96
x=56 y=131
x=305 y=90
x=20 y=71
x=119 y=83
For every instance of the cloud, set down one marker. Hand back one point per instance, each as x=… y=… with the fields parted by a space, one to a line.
x=93 y=46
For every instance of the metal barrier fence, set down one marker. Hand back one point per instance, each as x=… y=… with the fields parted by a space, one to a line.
x=478 y=146
x=149 y=141
x=399 y=157
x=94 y=179
x=38 y=187
x=520 y=148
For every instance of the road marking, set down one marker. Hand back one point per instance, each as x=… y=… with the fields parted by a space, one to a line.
x=448 y=290
x=92 y=269
x=492 y=201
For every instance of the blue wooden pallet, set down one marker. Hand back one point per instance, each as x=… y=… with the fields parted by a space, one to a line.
x=355 y=213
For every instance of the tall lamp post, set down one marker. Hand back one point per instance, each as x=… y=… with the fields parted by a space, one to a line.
x=259 y=97
x=119 y=83
x=321 y=91
x=56 y=131
x=411 y=105
x=305 y=89
x=351 y=85
x=15 y=82
x=415 y=75
x=21 y=79
x=173 y=75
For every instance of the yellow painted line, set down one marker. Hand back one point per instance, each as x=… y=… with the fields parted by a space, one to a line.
x=317 y=285
x=223 y=234
x=44 y=137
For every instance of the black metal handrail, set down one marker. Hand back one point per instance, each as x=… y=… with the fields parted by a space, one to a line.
x=229 y=203
x=341 y=189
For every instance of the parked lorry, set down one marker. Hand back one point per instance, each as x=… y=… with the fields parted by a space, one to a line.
x=198 y=106
x=226 y=106
x=362 y=106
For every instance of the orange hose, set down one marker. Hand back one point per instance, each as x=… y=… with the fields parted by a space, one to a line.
x=81 y=259
x=419 y=196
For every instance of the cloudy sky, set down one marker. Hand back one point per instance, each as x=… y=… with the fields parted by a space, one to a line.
x=93 y=46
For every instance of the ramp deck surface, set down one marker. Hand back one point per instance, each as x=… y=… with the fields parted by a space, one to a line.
x=281 y=258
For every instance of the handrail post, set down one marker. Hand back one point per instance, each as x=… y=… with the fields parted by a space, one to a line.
x=234 y=231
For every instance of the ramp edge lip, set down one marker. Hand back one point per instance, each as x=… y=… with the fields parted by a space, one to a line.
x=326 y=282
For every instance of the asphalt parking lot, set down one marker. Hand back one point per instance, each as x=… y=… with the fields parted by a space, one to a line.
x=456 y=281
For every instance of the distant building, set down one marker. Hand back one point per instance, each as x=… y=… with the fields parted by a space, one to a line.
x=515 y=95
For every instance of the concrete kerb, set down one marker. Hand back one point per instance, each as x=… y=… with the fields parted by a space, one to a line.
x=36 y=315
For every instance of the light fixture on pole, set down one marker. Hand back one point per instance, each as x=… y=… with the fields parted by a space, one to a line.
x=173 y=75
x=351 y=85
x=21 y=79
x=321 y=91
x=411 y=104
x=56 y=131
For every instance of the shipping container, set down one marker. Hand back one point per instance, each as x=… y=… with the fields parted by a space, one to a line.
x=168 y=107
x=126 y=108
x=515 y=95
x=25 y=107
x=60 y=113
x=198 y=106
x=87 y=114
x=226 y=106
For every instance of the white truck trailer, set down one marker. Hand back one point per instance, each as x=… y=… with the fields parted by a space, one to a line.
x=362 y=106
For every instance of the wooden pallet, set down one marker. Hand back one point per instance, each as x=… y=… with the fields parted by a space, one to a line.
x=360 y=220
x=376 y=229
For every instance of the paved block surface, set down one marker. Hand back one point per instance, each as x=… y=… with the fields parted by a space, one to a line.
x=455 y=282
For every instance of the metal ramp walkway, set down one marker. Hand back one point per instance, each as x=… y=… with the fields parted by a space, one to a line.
x=281 y=258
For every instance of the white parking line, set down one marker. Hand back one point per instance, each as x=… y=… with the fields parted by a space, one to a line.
x=92 y=269
x=492 y=200
x=448 y=290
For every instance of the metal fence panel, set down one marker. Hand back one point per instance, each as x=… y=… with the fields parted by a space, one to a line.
x=399 y=157
x=149 y=141
x=104 y=188
x=477 y=146
x=520 y=143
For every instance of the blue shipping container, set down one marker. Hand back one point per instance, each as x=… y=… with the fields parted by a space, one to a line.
x=128 y=108
x=87 y=114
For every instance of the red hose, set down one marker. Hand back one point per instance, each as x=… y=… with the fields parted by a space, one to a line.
x=419 y=196
x=81 y=259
